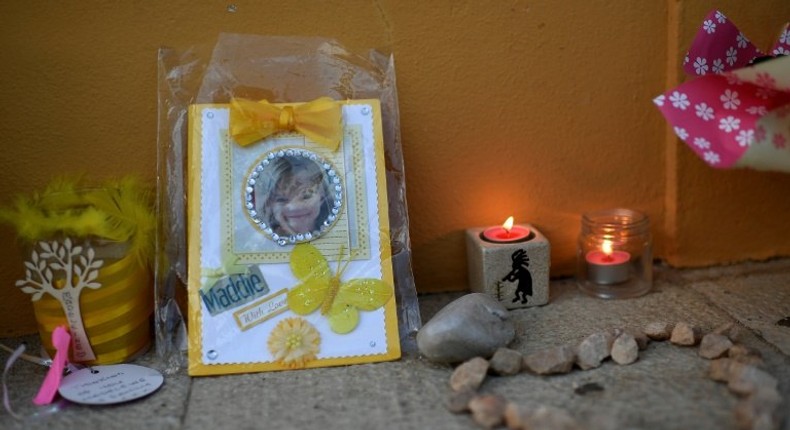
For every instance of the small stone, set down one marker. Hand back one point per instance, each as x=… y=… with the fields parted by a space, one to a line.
x=722 y=368
x=748 y=379
x=625 y=350
x=458 y=401
x=714 y=346
x=759 y=411
x=659 y=330
x=639 y=336
x=516 y=415
x=743 y=354
x=506 y=362
x=550 y=361
x=732 y=331
x=469 y=375
x=474 y=325
x=685 y=334
x=538 y=417
x=743 y=379
x=593 y=350
x=488 y=410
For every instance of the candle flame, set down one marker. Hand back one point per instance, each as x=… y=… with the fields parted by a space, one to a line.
x=508 y=225
x=606 y=247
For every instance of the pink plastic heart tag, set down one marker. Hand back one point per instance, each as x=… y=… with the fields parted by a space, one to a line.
x=61 y=339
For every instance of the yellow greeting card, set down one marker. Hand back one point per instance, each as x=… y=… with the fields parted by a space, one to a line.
x=289 y=250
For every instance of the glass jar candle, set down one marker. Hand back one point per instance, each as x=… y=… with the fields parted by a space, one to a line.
x=615 y=258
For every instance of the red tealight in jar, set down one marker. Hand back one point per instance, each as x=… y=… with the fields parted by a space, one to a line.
x=615 y=254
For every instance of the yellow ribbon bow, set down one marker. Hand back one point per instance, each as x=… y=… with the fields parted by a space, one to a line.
x=320 y=120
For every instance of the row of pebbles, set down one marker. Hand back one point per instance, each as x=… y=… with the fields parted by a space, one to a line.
x=732 y=363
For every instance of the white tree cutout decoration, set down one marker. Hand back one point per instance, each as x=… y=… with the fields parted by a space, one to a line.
x=63 y=271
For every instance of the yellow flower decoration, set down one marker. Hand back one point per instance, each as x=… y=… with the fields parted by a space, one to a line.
x=294 y=342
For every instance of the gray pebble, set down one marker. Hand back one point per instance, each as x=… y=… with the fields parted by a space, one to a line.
x=469 y=375
x=550 y=361
x=625 y=350
x=593 y=350
x=658 y=330
x=488 y=410
x=685 y=334
x=474 y=325
x=506 y=362
x=714 y=346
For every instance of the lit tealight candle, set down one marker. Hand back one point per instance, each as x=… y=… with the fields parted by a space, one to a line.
x=509 y=262
x=506 y=233
x=607 y=266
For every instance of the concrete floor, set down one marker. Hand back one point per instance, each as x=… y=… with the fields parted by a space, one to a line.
x=665 y=389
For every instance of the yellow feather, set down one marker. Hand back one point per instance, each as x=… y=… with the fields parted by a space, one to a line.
x=117 y=211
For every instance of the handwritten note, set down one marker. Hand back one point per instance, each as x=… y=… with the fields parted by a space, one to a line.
x=107 y=385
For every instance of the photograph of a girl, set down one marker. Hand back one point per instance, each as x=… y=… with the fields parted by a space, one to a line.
x=292 y=196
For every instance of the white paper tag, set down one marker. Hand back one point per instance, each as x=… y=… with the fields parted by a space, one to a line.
x=107 y=385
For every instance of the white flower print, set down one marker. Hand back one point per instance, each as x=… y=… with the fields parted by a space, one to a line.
x=718 y=66
x=759 y=134
x=733 y=79
x=730 y=99
x=681 y=132
x=701 y=143
x=679 y=100
x=686 y=59
x=732 y=55
x=757 y=110
x=779 y=141
x=659 y=101
x=712 y=157
x=765 y=80
x=701 y=65
x=742 y=40
x=745 y=138
x=764 y=93
x=781 y=50
x=704 y=111
x=720 y=17
x=709 y=26
x=729 y=124
x=785 y=37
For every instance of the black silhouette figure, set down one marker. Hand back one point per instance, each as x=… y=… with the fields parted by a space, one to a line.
x=521 y=274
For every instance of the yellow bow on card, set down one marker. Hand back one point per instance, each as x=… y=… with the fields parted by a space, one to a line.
x=320 y=120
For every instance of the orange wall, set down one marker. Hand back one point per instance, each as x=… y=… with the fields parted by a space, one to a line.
x=540 y=109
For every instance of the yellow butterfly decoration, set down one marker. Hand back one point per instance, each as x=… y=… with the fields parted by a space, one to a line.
x=339 y=301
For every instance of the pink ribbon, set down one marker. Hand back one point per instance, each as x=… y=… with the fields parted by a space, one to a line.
x=61 y=339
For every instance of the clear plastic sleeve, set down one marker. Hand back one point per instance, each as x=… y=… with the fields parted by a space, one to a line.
x=277 y=69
